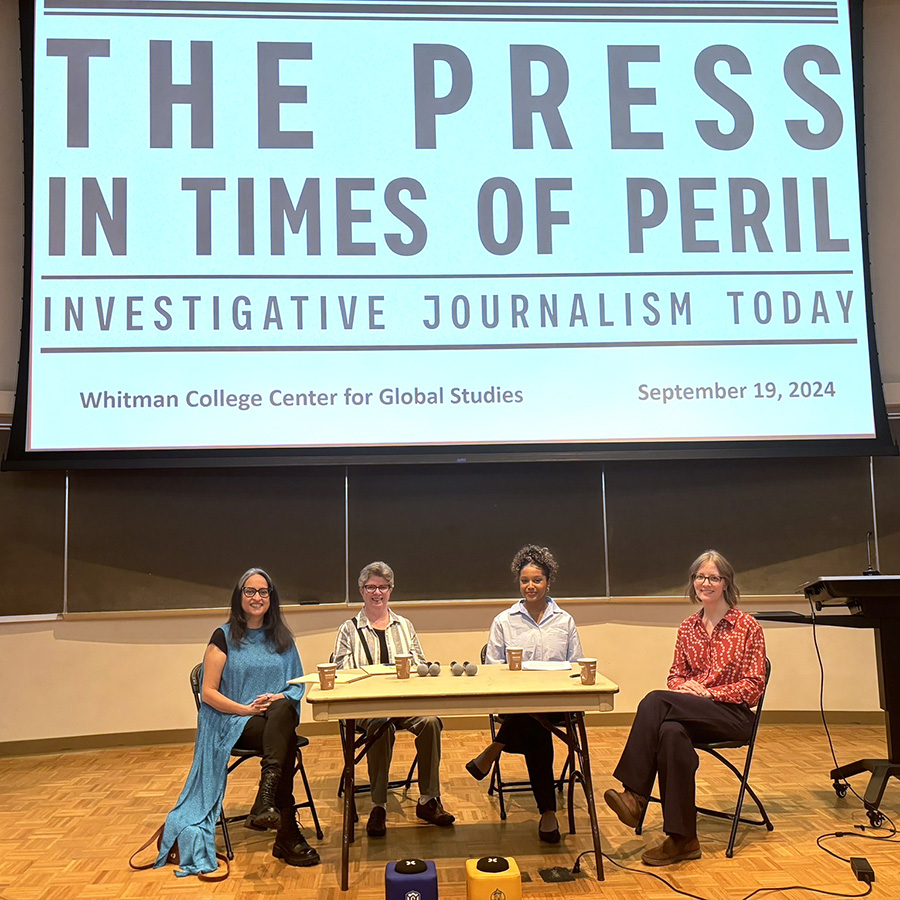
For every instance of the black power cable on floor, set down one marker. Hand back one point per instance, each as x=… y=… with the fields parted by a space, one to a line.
x=884 y=838
x=802 y=887
x=867 y=875
x=577 y=868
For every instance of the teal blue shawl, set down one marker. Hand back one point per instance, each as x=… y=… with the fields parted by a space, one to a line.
x=251 y=669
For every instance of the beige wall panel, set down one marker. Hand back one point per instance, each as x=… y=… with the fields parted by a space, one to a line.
x=114 y=676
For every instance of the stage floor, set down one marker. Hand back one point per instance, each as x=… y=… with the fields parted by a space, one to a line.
x=69 y=822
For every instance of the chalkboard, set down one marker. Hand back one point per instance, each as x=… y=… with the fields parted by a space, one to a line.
x=32 y=538
x=176 y=539
x=170 y=540
x=451 y=532
x=887 y=502
x=778 y=521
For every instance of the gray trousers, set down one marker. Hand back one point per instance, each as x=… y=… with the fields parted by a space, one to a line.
x=427 y=730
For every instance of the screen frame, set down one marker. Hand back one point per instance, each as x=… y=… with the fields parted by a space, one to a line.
x=19 y=458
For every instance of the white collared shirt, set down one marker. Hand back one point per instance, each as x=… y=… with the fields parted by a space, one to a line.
x=554 y=638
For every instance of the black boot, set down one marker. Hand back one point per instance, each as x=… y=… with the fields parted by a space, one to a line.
x=290 y=845
x=264 y=813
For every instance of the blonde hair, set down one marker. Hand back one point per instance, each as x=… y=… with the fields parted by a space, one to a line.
x=732 y=594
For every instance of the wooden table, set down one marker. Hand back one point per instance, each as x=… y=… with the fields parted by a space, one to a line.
x=493 y=690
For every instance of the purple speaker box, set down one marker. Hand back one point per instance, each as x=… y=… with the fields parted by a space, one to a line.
x=410 y=879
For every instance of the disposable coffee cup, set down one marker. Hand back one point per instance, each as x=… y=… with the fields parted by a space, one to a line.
x=588 y=670
x=403 y=662
x=327 y=675
x=514 y=658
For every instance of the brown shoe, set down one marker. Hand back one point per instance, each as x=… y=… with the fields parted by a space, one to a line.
x=377 y=824
x=433 y=812
x=673 y=849
x=627 y=805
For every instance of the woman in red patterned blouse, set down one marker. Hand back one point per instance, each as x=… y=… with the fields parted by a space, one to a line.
x=717 y=675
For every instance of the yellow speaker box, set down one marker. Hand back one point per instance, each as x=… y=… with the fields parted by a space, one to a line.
x=493 y=878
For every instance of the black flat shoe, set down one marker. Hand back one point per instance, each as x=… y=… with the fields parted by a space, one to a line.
x=549 y=837
x=474 y=771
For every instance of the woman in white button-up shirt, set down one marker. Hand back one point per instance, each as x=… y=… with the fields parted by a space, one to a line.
x=544 y=632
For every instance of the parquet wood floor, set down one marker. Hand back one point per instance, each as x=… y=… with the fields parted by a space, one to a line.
x=68 y=823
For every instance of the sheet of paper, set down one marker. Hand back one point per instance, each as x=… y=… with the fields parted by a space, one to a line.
x=347 y=677
x=537 y=665
x=379 y=670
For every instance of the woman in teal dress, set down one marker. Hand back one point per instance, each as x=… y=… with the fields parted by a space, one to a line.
x=246 y=703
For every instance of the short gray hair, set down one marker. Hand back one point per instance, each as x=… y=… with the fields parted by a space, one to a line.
x=378 y=568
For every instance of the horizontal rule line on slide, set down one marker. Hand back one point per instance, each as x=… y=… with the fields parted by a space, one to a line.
x=393 y=348
x=660 y=10
x=433 y=17
x=439 y=276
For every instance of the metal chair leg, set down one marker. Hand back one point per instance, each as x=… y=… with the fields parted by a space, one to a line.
x=309 y=797
x=223 y=822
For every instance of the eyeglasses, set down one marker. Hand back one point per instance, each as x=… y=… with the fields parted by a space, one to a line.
x=250 y=593
x=371 y=588
x=712 y=579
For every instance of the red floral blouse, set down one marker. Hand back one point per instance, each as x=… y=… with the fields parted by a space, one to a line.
x=730 y=663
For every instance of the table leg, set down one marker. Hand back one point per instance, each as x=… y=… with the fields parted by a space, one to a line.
x=575 y=776
x=582 y=751
x=348 y=782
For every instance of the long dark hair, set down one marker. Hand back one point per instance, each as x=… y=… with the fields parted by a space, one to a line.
x=275 y=629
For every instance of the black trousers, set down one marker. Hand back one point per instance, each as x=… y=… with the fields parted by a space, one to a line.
x=661 y=742
x=522 y=733
x=274 y=735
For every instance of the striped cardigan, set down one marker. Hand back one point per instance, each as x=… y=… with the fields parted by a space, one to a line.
x=401 y=637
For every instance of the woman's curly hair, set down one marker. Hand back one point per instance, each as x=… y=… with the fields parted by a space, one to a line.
x=532 y=555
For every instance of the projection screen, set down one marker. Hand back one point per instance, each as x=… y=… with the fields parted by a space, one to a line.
x=362 y=230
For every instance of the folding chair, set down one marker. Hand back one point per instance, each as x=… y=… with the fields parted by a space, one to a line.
x=365 y=787
x=240 y=756
x=713 y=749
x=500 y=787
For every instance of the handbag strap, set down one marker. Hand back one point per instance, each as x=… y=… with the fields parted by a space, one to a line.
x=155 y=837
x=219 y=875
x=363 y=641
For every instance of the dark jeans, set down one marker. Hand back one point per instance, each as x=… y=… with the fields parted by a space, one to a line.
x=274 y=735
x=522 y=733
x=661 y=741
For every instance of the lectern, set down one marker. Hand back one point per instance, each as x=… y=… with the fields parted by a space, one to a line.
x=874 y=602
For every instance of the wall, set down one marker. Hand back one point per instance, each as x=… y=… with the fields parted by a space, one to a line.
x=120 y=675
x=115 y=676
